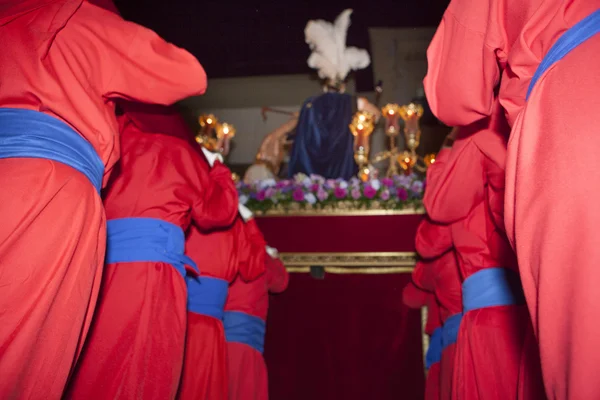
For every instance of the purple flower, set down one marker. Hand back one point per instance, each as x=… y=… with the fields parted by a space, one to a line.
x=282 y=184
x=340 y=192
x=260 y=196
x=322 y=194
x=330 y=183
x=298 y=195
x=270 y=192
x=355 y=193
x=370 y=192
x=403 y=180
x=385 y=194
x=402 y=194
x=388 y=182
x=314 y=187
x=417 y=186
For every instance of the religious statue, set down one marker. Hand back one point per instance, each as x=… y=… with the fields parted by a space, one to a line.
x=323 y=143
x=271 y=153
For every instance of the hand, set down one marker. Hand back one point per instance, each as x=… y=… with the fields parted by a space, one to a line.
x=245 y=212
x=211 y=157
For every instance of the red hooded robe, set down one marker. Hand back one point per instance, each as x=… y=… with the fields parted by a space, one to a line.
x=63 y=61
x=140 y=325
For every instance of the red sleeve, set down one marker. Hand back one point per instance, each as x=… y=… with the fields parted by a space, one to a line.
x=255 y=264
x=462 y=61
x=433 y=239
x=277 y=275
x=143 y=66
x=414 y=297
x=455 y=187
x=216 y=204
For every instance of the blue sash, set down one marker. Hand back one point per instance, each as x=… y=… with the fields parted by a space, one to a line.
x=573 y=37
x=146 y=239
x=492 y=287
x=450 y=330
x=434 y=352
x=32 y=134
x=244 y=328
x=207 y=295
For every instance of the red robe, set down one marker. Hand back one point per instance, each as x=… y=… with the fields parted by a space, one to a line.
x=140 y=324
x=247 y=370
x=220 y=254
x=434 y=243
x=548 y=217
x=66 y=59
x=467 y=191
x=415 y=297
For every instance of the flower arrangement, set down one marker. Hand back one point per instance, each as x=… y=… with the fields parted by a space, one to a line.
x=315 y=192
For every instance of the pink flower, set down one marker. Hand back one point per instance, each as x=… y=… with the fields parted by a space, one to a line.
x=260 y=196
x=355 y=193
x=385 y=194
x=370 y=192
x=270 y=192
x=298 y=195
x=322 y=194
x=314 y=187
x=402 y=194
x=340 y=193
x=388 y=182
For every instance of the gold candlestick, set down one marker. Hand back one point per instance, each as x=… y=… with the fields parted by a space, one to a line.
x=411 y=114
x=362 y=127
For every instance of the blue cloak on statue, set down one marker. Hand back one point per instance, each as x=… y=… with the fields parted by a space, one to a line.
x=323 y=143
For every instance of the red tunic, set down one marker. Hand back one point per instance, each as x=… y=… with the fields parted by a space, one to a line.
x=415 y=297
x=140 y=323
x=508 y=39
x=65 y=58
x=467 y=192
x=247 y=370
x=219 y=254
x=434 y=243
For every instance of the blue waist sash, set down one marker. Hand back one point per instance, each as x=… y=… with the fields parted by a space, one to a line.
x=492 y=287
x=146 y=239
x=434 y=352
x=450 y=330
x=32 y=134
x=206 y=295
x=244 y=328
x=573 y=37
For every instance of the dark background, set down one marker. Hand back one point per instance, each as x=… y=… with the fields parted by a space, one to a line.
x=266 y=37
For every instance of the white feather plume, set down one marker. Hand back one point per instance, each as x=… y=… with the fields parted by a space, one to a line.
x=330 y=56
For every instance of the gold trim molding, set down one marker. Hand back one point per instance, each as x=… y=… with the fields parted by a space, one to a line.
x=336 y=212
x=355 y=270
x=351 y=260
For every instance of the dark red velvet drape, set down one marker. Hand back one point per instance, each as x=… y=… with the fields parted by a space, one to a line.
x=347 y=337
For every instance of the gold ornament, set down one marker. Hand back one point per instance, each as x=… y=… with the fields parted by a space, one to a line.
x=429 y=159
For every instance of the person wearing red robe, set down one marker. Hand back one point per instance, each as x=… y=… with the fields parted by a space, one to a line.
x=550 y=212
x=434 y=245
x=415 y=297
x=62 y=63
x=245 y=323
x=221 y=254
x=136 y=345
x=466 y=190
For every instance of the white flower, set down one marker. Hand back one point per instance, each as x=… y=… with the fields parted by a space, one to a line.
x=376 y=184
x=243 y=199
x=306 y=182
x=343 y=184
x=310 y=198
x=267 y=183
